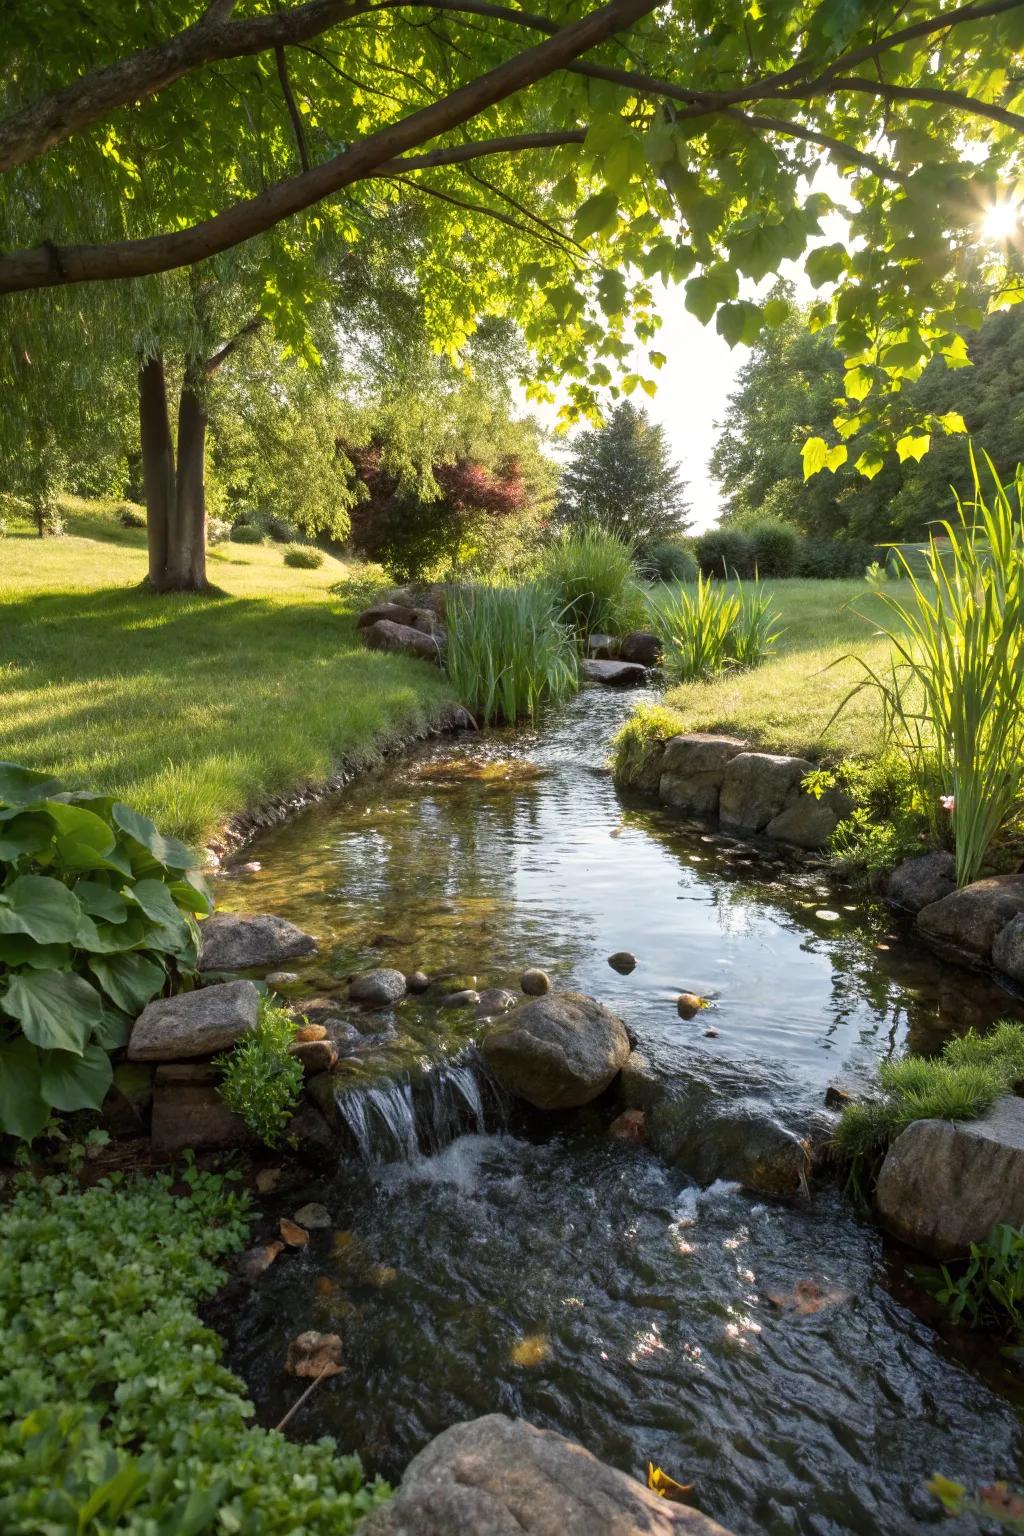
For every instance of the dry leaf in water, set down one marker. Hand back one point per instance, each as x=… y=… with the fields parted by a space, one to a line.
x=666 y=1487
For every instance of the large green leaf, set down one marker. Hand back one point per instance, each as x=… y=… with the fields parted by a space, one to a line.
x=69 y=1082
x=155 y=900
x=192 y=893
x=23 y=1110
x=57 y=1010
x=84 y=840
x=113 y=1029
x=20 y=786
x=42 y=908
x=167 y=851
x=130 y=980
x=24 y=835
x=100 y=901
x=18 y=949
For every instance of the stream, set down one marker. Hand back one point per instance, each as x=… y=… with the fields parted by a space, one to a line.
x=483 y=1258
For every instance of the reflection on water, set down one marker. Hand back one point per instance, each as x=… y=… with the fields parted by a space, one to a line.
x=572 y=1280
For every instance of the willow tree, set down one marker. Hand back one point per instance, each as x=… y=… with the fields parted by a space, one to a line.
x=564 y=160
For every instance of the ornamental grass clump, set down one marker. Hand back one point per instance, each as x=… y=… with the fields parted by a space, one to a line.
x=509 y=651
x=953 y=696
x=708 y=627
x=594 y=583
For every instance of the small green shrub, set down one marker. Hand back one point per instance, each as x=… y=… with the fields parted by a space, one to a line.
x=131 y=516
x=304 y=557
x=833 y=559
x=986 y=1290
x=668 y=559
x=593 y=580
x=217 y=530
x=509 y=651
x=281 y=529
x=891 y=820
x=636 y=746
x=97 y=917
x=117 y=1415
x=261 y=1080
x=961 y=1084
x=774 y=546
x=246 y=533
x=724 y=552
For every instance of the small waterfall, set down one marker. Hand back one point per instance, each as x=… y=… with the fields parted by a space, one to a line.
x=396 y=1120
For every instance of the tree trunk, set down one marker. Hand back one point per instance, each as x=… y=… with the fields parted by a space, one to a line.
x=157 y=467
x=175 y=495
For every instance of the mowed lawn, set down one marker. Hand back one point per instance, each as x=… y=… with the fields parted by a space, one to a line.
x=786 y=704
x=190 y=708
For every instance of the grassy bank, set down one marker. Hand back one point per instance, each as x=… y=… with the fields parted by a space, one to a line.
x=190 y=708
x=786 y=704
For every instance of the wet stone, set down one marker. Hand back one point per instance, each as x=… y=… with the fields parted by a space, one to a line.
x=467 y=998
x=622 y=961
x=417 y=981
x=314 y=1355
x=535 y=982
x=378 y=988
x=314 y=1216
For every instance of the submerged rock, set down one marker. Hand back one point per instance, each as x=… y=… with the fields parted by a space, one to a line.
x=631 y=1125
x=922 y=880
x=386 y=635
x=971 y=918
x=557 y=1052
x=498 y=1476
x=417 y=981
x=466 y=997
x=234 y=943
x=314 y=1216
x=378 y=988
x=495 y=1000
x=314 y=1355
x=944 y=1186
x=757 y=787
x=194 y=1023
x=615 y=674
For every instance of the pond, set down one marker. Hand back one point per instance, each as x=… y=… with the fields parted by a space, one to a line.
x=483 y=1259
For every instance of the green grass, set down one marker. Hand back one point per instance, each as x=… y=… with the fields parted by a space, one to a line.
x=786 y=704
x=190 y=708
x=509 y=652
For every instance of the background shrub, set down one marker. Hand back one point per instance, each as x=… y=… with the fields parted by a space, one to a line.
x=281 y=529
x=774 y=546
x=668 y=559
x=217 y=530
x=725 y=551
x=246 y=533
x=131 y=516
x=834 y=559
x=304 y=557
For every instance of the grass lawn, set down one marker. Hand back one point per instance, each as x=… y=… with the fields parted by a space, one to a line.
x=190 y=708
x=786 y=704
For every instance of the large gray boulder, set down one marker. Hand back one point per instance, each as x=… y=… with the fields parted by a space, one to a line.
x=922 y=880
x=497 y=1476
x=944 y=1186
x=641 y=645
x=692 y=769
x=378 y=988
x=194 y=1023
x=423 y=619
x=615 y=674
x=809 y=820
x=386 y=635
x=557 y=1051
x=971 y=918
x=1008 y=949
x=757 y=787
x=231 y=942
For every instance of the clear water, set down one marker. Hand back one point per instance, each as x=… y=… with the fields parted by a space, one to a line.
x=549 y=1272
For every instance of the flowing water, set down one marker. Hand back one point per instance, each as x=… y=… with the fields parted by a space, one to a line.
x=481 y=1259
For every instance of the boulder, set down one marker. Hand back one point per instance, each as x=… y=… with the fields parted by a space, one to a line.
x=602 y=647
x=642 y=646
x=433 y=596
x=757 y=787
x=809 y=821
x=922 y=880
x=558 y=1051
x=615 y=674
x=194 y=1023
x=497 y=1476
x=944 y=1186
x=386 y=635
x=378 y=988
x=971 y=918
x=309 y=1136
x=234 y=943
x=699 y=1120
x=1008 y=949
x=423 y=619
x=692 y=769
x=188 y=1111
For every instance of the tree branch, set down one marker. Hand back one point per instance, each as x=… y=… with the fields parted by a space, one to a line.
x=289 y=101
x=44 y=268
x=956 y=99
x=478 y=149
x=558 y=244
x=223 y=353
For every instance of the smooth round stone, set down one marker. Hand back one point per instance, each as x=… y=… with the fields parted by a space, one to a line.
x=377 y=988
x=313 y=1216
x=281 y=978
x=622 y=961
x=467 y=998
x=417 y=981
x=688 y=1005
x=535 y=982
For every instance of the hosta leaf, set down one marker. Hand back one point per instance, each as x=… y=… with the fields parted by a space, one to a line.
x=20 y=786
x=100 y=901
x=26 y=834
x=17 y=949
x=156 y=901
x=165 y=850
x=23 y=1110
x=130 y=980
x=42 y=908
x=57 y=1010
x=75 y=1082
x=113 y=1029
x=192 y=894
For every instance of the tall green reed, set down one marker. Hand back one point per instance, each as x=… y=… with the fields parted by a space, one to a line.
x=707 y=627
x=593 y=580
x=953 y=696
x=509 y=651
